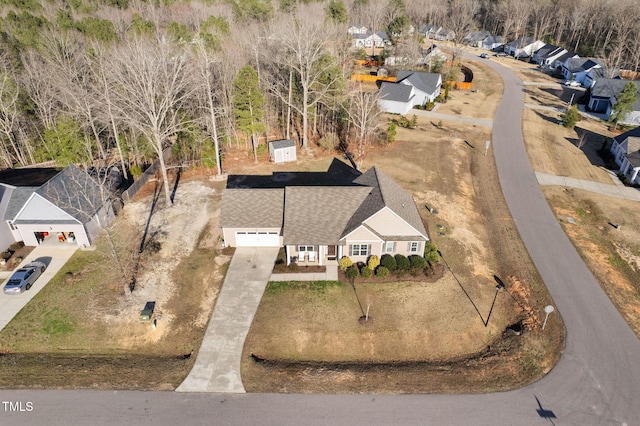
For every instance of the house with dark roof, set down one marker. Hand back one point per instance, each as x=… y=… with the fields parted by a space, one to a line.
x=602 y=99
x=421 y=88
x=560 y=60
x=547 y=54
x=319 y=221
x=595 y=74
x=577 y=68
x=484 y=40
x=70 y=206
x=523 y=47
x=626 y=151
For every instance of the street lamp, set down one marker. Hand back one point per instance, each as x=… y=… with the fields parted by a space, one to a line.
x=547 y=309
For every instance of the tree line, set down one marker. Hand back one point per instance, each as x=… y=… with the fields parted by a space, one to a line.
x=100 y=81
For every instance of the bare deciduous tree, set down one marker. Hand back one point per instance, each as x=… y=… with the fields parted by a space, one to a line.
x=364 y=116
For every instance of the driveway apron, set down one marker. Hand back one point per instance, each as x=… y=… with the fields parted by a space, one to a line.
x=217 y=367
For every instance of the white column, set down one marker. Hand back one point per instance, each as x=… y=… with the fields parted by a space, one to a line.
x=286 y=253
x=635 y=174
x=320 y=255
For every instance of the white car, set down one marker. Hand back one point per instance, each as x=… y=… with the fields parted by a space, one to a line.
x=571 y=83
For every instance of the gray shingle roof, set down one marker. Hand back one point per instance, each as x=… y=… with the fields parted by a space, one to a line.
x=633 y=133
x=475 y=36
x=19 y=197
x=521 y=42
x=548 y=50
x=562 y=58
x=426 y=82
x=283 y=143
x=581 y=64
x=252 y=208
x=385 y=193
x=610 y=87
x=75 y=192
x=318 y=215
x=395 y=92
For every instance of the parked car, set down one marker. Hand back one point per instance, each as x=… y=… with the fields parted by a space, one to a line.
x=500 y=54
x=571 y=83
x=23 y=278
x=484 y=55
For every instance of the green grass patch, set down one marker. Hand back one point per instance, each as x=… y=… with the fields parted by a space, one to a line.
x=275 y=287
x=56 y=322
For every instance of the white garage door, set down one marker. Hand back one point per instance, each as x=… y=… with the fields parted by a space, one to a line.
x=257 y=239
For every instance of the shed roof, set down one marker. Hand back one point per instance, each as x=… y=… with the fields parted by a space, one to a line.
x=282 y=143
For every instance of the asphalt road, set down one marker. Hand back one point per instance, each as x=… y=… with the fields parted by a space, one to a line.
x=597 y=381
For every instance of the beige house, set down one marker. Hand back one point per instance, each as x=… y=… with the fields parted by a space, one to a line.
x=320 y=217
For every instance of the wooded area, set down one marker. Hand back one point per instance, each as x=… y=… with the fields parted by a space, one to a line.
x=105 y=81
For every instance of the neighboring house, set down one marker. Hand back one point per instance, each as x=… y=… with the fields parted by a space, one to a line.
x=596 y=74
x=71 y=204
x=475 y=38
x=431 y=55
x=547 y=54
x=370 y=39
x=422 y=88
x=577 y=68
x=318 y=223
x=282 y=151
x=626 y=151
x=396 y=98
x=523 y=47
x=433 y=32
x=560 y=60
x=357 y=29
x=492 y=43
x=603 y=98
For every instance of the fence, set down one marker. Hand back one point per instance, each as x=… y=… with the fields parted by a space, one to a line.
x=371 y=78
x=461 y=85
x=148 y=174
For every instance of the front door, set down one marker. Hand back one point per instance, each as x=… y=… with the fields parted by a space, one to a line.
x=331 y=252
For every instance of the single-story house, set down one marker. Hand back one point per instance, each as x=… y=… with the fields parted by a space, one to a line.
x=626 y=151
x=595 y=74
x=71 y=206
x=560 y=60
x=423 y=87
x=433 y=32
x=282 y=151
x=547 y=54
x=370 y=39
x=318 y=222
x=603 y=98
x=577 y=68
x=484 y=40
x=523 y=47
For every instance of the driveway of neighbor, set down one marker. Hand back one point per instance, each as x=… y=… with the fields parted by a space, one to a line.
x=217 y=367
x=55 y=256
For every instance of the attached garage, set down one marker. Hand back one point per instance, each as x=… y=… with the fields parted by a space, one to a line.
x=257 y=239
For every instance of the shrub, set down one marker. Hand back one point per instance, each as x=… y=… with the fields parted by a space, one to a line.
x=571 y=117
x=392 y=132
x=345 y=262
x=414 y=122
x=431 y=252
x=382 y=272
x=402 y=262
x=373 y=262
x=293 y=267
x=429 y=106
x=417 y=262
x=389 y=262
x=352 y=272
x=15 y=246
x=366 y=272
x=5 y=255
x=136 y=171
x=329 y=141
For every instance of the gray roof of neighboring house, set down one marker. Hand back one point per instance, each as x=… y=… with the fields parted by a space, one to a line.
x=610 y=87
x=633 y=133
x=319 y=215
x=581 y=64
x=562 y=58
x=521 y=42
x=395 y=92
x=476 y=36
x=385 y=193
x=424 y=81
x=75 y=192
x=19 y=197
x=598 y=73
x=283 y=143
x=381 y=34
x=252 y=208
x=548 y=50
x=634 y=158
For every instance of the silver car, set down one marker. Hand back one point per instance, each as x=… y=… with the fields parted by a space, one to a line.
x=23 y=278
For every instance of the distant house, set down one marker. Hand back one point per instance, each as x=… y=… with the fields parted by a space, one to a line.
x=356 y=29
x=547 y=54
x=560 y=60
x=577 y=68
x=523 y=47
x=602 y=99
x=433 y=32
x=71 y=205
x=282 y=151
x=626 y=151
x=430 y=55
x=595 y=74
x=370 y=39
x=319 y=222
x=484 y=40
x=420 y=88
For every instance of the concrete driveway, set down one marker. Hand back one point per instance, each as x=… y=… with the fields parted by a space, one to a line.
x=217 y=367
x=54 y=256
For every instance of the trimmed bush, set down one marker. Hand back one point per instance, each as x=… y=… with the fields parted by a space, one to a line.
x=431 y=253
x=417 y=262
x=373 y=262
x=382 y=272
x=344 y=263
x=388 y=262
x=352 y=272
x=366 y=272
x=402 y=262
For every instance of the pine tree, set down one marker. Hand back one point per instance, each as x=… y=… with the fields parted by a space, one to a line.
x=248 y=103
x=624 y=102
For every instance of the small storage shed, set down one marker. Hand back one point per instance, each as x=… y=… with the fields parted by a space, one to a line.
x=282 y=151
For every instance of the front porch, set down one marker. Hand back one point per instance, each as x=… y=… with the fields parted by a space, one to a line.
x=308 y=255
x=330 y=274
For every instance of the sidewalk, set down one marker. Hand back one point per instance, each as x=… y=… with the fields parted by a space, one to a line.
x=614 y=190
